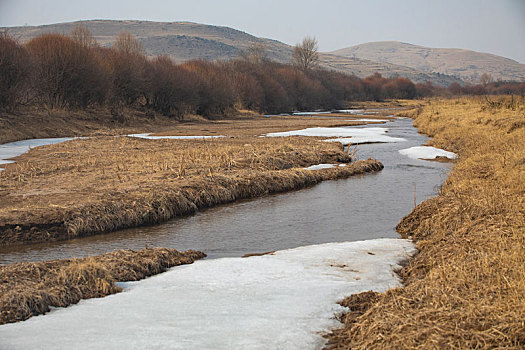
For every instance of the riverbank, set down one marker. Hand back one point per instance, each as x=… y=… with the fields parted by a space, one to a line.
x=466 y=285
x=32 y=122
x=30 y=289
x=101 y=184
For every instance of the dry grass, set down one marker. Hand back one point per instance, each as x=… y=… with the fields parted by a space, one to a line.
x=31 y=122
x=465 y=289
x=28 y=289
x=256 y=125
x=101 y=184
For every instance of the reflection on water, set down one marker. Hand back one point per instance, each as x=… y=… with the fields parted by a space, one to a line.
x=360 y=207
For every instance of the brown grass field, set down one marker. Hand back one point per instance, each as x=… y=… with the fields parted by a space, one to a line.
x=29 y=289
x=32 y=122
x=101 y=184
x=465 y=289
x=105 y=183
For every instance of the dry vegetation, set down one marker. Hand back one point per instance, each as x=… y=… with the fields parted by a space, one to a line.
x=55 y=71
x=101 y=184
x=466 y=286
x=28 y=289
x=30 y=123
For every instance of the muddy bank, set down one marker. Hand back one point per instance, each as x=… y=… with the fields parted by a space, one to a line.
x=465 y=287
x=162 y=203
x=29 y=289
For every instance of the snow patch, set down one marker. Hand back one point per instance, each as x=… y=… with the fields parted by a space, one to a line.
x=364 y=139
x=426 y=152
x=150 y=137
x=263 y=302
x=367 y=120
x=320 y=166
x=351 y=111
x=346 y=135
x=330 y=132
x=14 y=149
x=356 y=111
x=310 y=113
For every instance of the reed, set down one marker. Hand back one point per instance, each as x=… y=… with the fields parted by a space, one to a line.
x=29 y=289
x=97 y=185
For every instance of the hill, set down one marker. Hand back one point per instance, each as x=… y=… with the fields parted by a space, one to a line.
x=464 y=64
x=184 y=41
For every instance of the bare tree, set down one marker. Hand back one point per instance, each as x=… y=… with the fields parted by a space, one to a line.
x=305 y=55
x=256 y=53
x=127 y=43
x=485 y=79
x=82 y=35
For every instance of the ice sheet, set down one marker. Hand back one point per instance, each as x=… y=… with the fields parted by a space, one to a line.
x=356 y=111
x=367 y=120
x=345 y=135
x=351 y=111
x=323 y=166
x=366 y=139
x=149 y=136
x=14 y=149
x=331 y=132
x=279 y=301
x=426 y=152
x=310 y=113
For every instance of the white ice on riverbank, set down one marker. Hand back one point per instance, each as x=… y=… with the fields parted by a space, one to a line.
x=345 y=135
x=351 y=111
x=323 y=166
x=426 y=152
x=279 y=301
x=367 y=120
x=356 y=111
x=359 y=140
x=151 y=137
x=341 y=111
x=310 y=113
x=15 y=149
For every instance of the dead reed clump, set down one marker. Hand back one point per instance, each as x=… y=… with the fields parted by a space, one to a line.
x=465 y=289
x=99 y=185
x=28 y=289
x=201 y=193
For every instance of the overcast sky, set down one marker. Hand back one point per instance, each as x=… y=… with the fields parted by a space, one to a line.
x=482 y=25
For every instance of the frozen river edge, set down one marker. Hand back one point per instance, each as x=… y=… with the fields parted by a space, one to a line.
x=283 y=300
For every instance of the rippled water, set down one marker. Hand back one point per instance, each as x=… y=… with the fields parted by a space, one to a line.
x=360 y=207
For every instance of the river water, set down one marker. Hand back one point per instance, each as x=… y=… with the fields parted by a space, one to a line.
x=358 y=208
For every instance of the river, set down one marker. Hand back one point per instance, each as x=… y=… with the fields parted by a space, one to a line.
x=360 y=207
x=332 y=240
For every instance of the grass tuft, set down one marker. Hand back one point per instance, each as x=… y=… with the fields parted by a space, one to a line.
x=29 y=289
x=465 y=289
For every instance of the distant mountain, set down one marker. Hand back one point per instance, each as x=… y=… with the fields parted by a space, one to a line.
x=465 y=64
x=184 y=41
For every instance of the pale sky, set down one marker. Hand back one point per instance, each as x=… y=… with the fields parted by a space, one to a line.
x=492 y=26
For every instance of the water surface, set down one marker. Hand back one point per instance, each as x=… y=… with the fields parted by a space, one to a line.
x=361 y=207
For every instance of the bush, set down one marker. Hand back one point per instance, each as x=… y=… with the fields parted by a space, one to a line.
x=15 y=68
x=128 y=75
x=216 y=91
x=172 y=88
x=66 y=73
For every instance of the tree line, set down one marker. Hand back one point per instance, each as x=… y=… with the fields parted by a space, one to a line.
x=72 y=72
